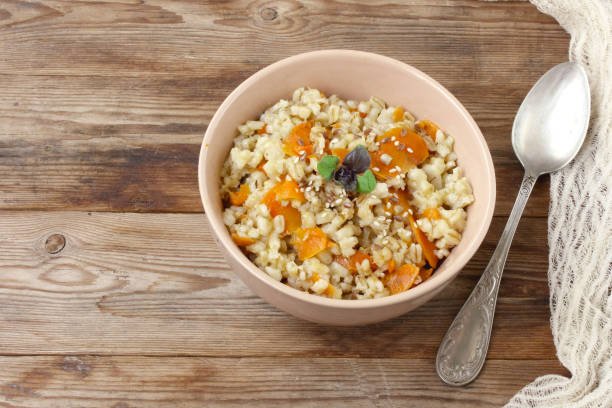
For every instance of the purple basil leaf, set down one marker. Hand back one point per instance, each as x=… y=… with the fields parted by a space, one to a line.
x=346 y=177
x=358 y=159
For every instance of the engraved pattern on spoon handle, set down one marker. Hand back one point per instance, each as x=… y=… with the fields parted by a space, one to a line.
x=464 y=348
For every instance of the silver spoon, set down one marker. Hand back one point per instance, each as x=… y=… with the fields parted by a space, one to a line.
x=548 y=131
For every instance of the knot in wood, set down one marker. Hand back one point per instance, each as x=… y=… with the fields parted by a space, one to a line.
x=268 y=13
x=55 y=243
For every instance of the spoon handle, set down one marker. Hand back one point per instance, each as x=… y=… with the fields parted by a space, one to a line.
x=464 y=348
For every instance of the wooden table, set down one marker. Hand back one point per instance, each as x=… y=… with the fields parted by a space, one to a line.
x=112 y=291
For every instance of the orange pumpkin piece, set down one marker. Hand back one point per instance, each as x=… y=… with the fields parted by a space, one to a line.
x=289 y=190
x=398 y=114
x=240 y=196
x=432 y=213
x=332 y=292
x=345 y=262
x=428 y=127
x=385 y=160
x=298 y=142
x=421 y=239
x=401 y=279
x=293 y=219
x=358 y=257
x=261 y=165
x=401 y=148
x=242 y=241
x=263 y=129
x=391 y=266
x=285 y=190
x=399 y=201
x=309 y=241
x=327 y=135
x=426 y=273
x=352 y=261
x=340 y=153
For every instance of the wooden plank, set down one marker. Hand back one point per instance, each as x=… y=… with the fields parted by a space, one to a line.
x=109 y=174
x=103 y=106
x=156 y=284
x=93 y=381
x=117 y=128
x=183 y=37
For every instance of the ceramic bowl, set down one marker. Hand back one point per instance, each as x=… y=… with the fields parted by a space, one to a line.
x=351 y=75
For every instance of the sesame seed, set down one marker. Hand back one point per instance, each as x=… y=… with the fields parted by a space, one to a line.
x=308 y=189
x=405 y=214
x=410 y=211
x=393 y=138
x=338 y=201
x=388 y=204
x=410 y=150
x=393 y=170
x=387 y=213
x=385 y=158
x=396 y=143
x=375 y=169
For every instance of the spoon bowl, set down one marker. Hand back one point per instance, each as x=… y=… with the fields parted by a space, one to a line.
x=551 y=123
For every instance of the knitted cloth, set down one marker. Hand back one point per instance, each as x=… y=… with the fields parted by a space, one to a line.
x=580 y=229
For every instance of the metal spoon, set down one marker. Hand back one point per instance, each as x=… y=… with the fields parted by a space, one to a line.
x=548 y=131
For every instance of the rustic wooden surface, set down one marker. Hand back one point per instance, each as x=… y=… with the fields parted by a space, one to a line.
x=112 y=292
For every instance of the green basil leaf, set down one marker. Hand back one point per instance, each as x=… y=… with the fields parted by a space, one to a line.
x=327 y=165
x=366 y=182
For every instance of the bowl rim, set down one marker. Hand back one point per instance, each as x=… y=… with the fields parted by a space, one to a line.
x=223 y=238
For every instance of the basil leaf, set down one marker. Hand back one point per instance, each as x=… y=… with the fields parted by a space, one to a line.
x=327 y=165
x=358 y=159
x=366 y=182
x=346 y=177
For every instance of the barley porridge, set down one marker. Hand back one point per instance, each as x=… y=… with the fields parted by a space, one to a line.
x=344 y=199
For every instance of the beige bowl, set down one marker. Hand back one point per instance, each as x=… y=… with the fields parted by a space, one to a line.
x=350 y=75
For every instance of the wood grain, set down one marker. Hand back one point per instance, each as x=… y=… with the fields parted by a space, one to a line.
x=103 y=106
x=468 y=37
x=156 y=284
x=118 y=128
x=116 y=175
x=94 y=381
